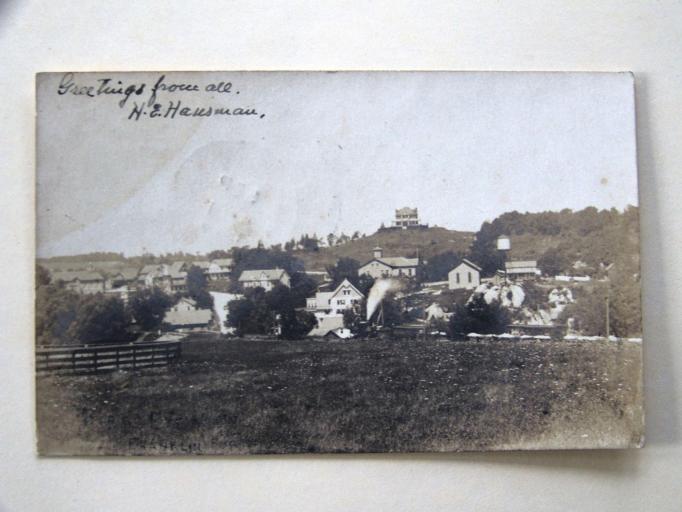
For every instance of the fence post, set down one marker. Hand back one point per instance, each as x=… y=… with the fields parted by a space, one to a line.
x=134 y=358
x=94 y=359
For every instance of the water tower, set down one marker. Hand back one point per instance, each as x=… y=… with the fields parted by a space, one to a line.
x=504 y=246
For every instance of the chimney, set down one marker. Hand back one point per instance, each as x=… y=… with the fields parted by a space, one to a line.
x=378 y=252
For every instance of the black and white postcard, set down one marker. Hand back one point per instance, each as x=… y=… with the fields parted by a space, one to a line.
x=295 y=262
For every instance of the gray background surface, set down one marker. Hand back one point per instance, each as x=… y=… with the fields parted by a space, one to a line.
x=641 y=37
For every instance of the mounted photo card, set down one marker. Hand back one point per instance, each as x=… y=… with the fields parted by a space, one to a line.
x=296 y=262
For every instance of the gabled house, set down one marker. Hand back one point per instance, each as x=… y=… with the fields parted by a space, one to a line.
x=219 y=269
x=380 y=266
x=185 y=315
x=177 y=272
x=266 y=278
x=335 y=302
x=465 y=276
x=527 y=269
x=126 y=276
x=329 y=306
x=82 y=281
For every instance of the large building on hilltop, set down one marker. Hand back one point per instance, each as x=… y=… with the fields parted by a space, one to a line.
x=406 y=218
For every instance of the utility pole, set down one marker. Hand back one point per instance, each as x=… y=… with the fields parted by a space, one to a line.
x=608 y=320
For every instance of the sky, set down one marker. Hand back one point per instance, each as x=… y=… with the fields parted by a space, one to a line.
x=324 y=152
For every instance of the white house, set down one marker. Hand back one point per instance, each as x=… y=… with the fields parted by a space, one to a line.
x=379 y=266
x=83 y=281
x=406 y=218
x=335 y=302
x=465 y=276
x=266 y=278
x=186 y=315
x=328 y=307
x=219 y=269
x=527 y=269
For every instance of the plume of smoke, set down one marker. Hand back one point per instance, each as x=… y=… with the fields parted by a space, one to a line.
x=379 y=290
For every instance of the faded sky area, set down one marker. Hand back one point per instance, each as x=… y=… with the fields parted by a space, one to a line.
x=333 y=152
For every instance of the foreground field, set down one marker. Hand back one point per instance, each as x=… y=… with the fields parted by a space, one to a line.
x=244 y=396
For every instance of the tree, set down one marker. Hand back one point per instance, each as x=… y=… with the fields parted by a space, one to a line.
x=296 y=324
x=589 y=309
x=218 y=254
x=345 y=268
x=56 y=309
x=148 y=307
x=197 y=288
x=252 y=314
x=100 y=319
x=309 y=243
x=484 y=249
x=437 y=267
x=554 y=261
x=478 y=316
x=42 y=276
x=302 y=287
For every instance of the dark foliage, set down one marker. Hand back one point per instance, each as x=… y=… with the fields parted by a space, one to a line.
x=302 y=286
x=42 y=276
x=345 y=268
x=245 y=258
x=148 y=307
x=56 y=309
x=296 y=324
x=100 y=319
x=260 y=312
x=197 y=288
x=438 y=266
x=479 y=317
x=598 y=238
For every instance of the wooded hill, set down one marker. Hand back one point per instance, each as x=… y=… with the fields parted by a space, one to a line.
x=426 y=242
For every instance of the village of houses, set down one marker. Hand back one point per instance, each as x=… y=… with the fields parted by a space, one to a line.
x=329 y=303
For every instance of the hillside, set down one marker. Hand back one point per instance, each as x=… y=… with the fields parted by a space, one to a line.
x=427 y=242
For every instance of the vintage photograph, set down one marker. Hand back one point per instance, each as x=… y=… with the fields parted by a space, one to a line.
x=315 y=262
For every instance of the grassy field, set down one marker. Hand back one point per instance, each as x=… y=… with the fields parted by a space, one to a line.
x=245 y=396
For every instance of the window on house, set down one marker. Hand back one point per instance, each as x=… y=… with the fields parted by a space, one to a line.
x=469 y=276
x=457 y=277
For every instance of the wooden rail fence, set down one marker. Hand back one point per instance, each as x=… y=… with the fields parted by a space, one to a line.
x=103 y=358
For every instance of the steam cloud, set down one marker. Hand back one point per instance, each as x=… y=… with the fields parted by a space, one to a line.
x=378 y=292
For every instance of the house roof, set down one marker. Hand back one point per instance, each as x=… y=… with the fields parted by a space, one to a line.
x=269 y=274
x=148 y=269
x=223 y=262
x=81 y=275
x=511 y=265
x=187 y=318
x=399 y=261
x=128 y=273
x=202 y=264
x=175 y=269
x=406 y=211
x=345 y=284
x=470 y=264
